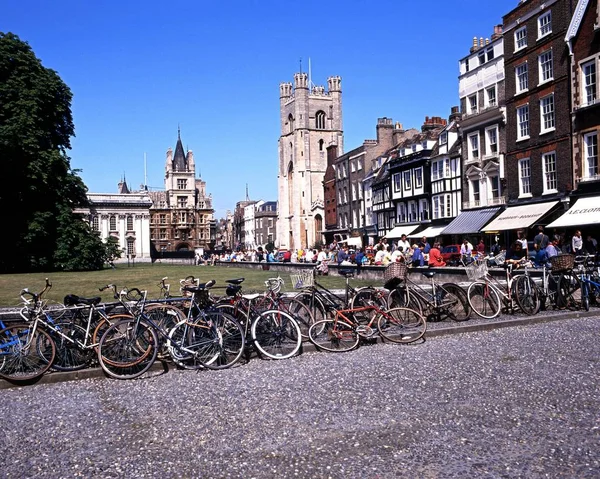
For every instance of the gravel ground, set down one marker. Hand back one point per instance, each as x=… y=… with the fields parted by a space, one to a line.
x=514 y=402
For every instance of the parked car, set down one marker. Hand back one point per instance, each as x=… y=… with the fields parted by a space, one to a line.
x=284 y=256
x=451 y=254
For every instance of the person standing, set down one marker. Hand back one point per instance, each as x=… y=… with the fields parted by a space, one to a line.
x=590 y=245
x=521 y=238
x=577 y=243
x=404 y=243
x=541 y=240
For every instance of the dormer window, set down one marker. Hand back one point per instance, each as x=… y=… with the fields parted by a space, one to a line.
x=444 y=138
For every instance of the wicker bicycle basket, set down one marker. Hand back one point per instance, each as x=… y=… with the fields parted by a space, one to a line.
x=302 y=280
x=477 y=269
x=395 y=271
x=562 y=262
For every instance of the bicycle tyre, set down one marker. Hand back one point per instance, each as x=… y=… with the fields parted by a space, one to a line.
x=276 y=334
x=569 y=291
x=26 y=354
x=333 y=336
x=317 y=309
x=366 y=297
x=103 y=325
x=484 y=300
x=127 y=349
x=216 y=341
x=166 y=317
x=300 y=312
x=401 y=298
x=459 y=308
x=70 y=356
x=526 y=293
x=401 y=325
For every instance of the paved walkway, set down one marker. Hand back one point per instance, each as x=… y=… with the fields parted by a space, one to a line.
x=511 y=402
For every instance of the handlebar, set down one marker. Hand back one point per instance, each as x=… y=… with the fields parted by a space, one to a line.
x=36 y=297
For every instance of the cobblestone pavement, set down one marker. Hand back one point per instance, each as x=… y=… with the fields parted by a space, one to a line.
x=513 y=402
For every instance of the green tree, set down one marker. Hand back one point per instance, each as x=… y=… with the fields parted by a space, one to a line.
x=41 y=231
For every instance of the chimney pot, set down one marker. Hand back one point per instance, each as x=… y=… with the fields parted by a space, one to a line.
x=480 y=42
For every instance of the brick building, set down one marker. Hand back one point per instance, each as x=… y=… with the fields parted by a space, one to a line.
x=538 y=163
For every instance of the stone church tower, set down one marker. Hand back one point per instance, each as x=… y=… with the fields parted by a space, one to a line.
x=311 y=120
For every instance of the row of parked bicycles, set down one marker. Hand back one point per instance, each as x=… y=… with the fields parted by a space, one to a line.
x=197 y=329
x=200 y=329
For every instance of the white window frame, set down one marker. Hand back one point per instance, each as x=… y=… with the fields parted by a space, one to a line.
x=424 y=207
x=475 y=191
x=544 y=27
x=521 y=78
x=523 y=127
x=524 y=178
x=352 y=166
x=419 y=177
x=490 y=180
x=589 y=83
x=95 y=223
x=590 y=155
x=488 y=142
x=491 y=102
x=359 y=165
x=401 y=213
x=406 y=180
x=521 y=38
x=472 y=103
x=397 y=179
x=474 y=146
x=547 y=115
x=444 y=138
x=550 y=173
x=546 y=66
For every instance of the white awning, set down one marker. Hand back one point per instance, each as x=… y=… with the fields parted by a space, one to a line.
x=517 y=217
x=398 y=231
x=430 y=232
x=586 y=211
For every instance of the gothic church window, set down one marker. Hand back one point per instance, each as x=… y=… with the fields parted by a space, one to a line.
x=320 y=120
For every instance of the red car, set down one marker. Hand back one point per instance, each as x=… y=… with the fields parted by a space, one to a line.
x=284 y=256
x=451 y=254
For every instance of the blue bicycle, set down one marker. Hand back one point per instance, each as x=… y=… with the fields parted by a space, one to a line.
x=589 y=278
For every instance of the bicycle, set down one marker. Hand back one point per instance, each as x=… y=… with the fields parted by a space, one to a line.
x=589 y=279
x=446 y=300
x=323 y=302
x=274 y=333
x=487 y=296
x=129 y=347
x=343 y=332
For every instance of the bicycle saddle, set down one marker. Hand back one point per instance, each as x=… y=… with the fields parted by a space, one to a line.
x=346 y=273
x=235 y=281
x=200 y=287
x=73 y=299
x=428 y=274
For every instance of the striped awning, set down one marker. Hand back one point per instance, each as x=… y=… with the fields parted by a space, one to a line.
x=471 y=221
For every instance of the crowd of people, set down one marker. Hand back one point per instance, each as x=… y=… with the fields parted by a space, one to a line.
x=416 y=253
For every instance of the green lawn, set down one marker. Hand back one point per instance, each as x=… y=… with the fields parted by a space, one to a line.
x=142 y=276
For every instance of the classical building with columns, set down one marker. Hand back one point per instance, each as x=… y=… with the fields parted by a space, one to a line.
x=311 y=120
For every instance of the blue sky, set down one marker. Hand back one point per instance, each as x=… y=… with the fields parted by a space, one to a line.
x=138 y=69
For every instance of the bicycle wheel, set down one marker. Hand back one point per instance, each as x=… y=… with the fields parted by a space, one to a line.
x=317 y=309
x=25 y=354
x=400 y=297
x=454 y=302
x=569 y=291
x=103 y=324
x=300 y=312
x=365 y=297
x=165 y=317
x=70 y=355
x=334 y=336
x=401 y=325
x=484 y=300
x=214 y=340
x=127 y=349
x=585 y=295
x=526 y=294
x=276 y=335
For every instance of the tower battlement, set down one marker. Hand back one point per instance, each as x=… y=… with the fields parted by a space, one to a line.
x=334 y=84
x=285 y=90
x=300 y=80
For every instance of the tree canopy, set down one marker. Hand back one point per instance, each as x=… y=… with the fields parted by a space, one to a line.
x=41 y=231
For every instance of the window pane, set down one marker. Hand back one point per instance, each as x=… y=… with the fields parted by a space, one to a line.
x=547 y=109
x=589 y=83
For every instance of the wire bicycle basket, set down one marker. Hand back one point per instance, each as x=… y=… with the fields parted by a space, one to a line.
x=477 y=269
x=303 y=279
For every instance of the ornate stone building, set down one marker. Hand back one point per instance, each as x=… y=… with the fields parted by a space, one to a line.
x=311 y=120
x=182 y=214
x=124 y=216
